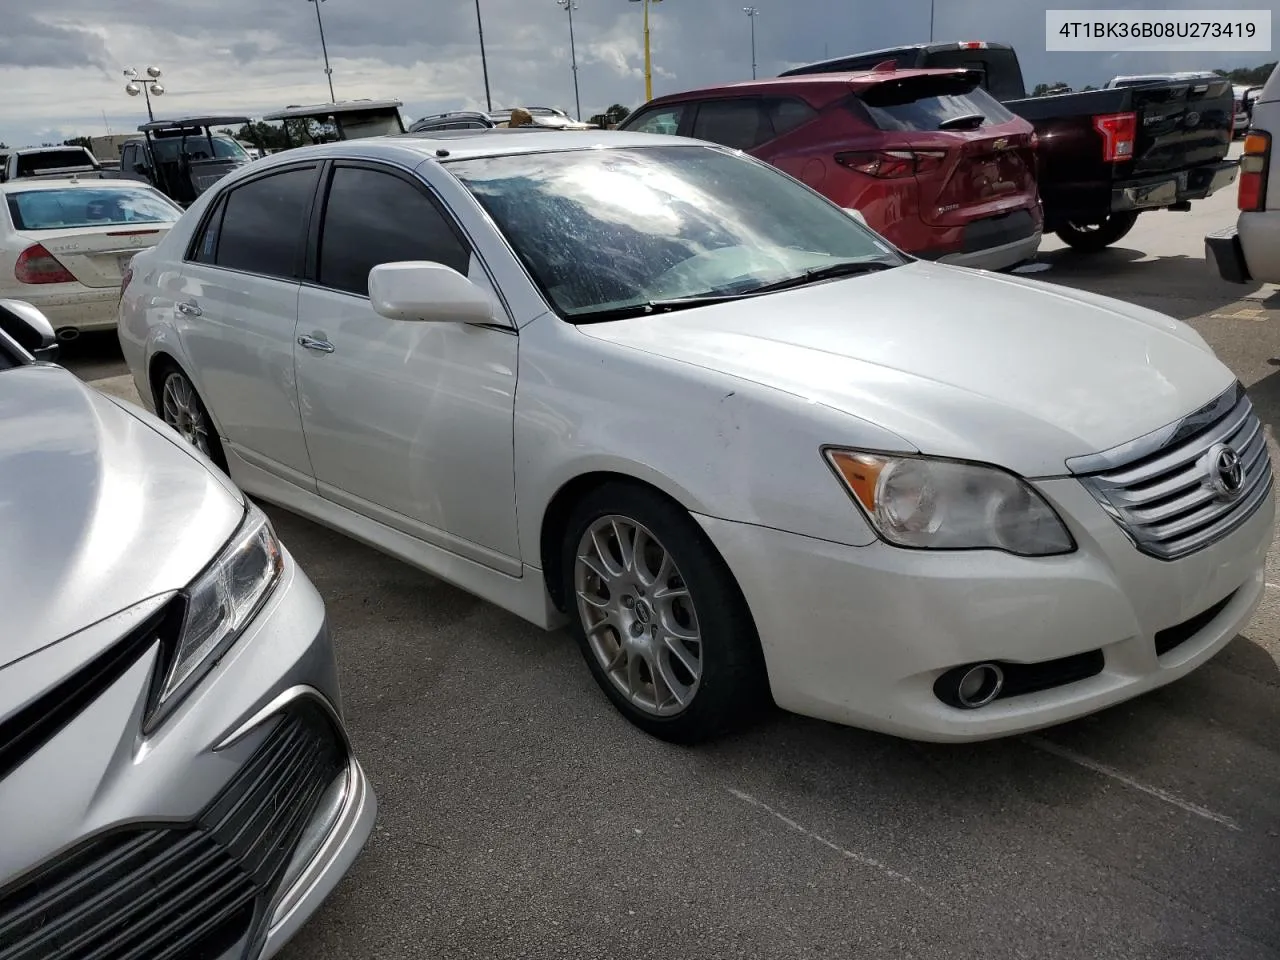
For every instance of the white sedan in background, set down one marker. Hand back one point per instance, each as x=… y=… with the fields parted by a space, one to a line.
x=668 y=393
x=65 y=245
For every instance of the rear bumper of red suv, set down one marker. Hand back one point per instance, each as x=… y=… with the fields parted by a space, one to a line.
x=992 y=243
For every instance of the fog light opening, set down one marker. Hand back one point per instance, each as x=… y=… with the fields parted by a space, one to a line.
x=979 y=685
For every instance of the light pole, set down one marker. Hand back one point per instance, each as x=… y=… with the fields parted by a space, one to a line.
x=752 y=12
x=648 y=59
x=484 y=61
x=328 y=72
x=149 y=87
x=570 y=6
x=931 y=2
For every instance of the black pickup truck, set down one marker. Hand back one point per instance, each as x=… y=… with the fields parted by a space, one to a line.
x=1104 y=156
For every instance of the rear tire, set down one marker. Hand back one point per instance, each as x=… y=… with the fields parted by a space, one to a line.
x=659 y=617
x=180 y=406
x=1093 y=237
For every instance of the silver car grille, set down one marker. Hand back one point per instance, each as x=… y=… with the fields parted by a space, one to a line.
x=1186 y=485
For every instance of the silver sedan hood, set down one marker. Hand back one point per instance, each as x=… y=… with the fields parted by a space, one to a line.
x=956 y=362
x=99 y=509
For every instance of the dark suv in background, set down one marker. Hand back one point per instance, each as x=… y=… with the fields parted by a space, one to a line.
x=931 y=161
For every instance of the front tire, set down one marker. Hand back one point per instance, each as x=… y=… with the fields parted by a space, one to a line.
x=1094 y=237
x=660 y=619
x=180 y=407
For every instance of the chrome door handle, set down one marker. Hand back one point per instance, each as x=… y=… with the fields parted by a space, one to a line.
x=188 y=308
x=311 y=343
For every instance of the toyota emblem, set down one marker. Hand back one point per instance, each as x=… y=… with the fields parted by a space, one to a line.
x=1226 y=472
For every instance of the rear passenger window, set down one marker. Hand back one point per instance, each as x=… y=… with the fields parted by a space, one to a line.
x=372 y=218
x=741 y=124
x=786 y=115
x=206 y=248
x=660 y=120
x=263 y=224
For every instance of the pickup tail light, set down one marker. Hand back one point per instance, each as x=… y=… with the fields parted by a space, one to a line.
x=37 y=265
x=1253 y=171
x=892 y=164
x=1119 y=131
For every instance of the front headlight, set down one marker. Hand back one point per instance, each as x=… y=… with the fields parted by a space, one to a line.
x=220 y=603
x=950 y=505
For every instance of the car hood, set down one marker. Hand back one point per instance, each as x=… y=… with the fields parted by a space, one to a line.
x=958 y=363
x=99 y=509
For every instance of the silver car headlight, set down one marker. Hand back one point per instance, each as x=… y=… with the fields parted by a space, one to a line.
x=934 y=504
x=220 y=603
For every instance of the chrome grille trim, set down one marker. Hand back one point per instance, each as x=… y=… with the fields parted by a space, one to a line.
x=1157 y=488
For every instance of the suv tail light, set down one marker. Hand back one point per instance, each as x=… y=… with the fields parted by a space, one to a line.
x=1119 y=131
x=1253 y=171
x=37 y=265
x=892 y=164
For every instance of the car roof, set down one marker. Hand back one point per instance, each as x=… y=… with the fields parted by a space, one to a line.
x=327 y=109
x=181 y=122
x=446 y=145
x=856 y=80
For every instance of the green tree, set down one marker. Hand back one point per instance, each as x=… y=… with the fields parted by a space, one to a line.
x=617 y=113
x=79 y=142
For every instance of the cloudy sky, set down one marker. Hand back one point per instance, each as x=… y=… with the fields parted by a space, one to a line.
x=61 y=61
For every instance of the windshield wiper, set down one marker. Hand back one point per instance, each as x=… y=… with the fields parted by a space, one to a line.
x=969 y=121
x=832 y=271
x=656 y=306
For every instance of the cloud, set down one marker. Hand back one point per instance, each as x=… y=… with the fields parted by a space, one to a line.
x=28 y=42
x=61 y=72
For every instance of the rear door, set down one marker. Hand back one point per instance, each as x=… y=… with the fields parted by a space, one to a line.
x=1181 y=124
x=973 y=158
x=236 y=314
x=92 y=231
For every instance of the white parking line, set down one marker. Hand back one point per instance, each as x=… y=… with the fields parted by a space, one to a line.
x=856 y=857
x=1114 y=774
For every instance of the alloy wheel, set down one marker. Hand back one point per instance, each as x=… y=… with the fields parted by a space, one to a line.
x=181 y=409
x=638 y=615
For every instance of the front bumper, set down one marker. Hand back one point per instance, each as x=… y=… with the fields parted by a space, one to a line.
x=218 y=834
x=1152 y=193
x=859 y=635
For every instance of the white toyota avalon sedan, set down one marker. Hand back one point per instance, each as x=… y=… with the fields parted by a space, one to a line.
x=739 y=442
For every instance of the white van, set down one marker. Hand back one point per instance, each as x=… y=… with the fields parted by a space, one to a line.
x=1249 y=252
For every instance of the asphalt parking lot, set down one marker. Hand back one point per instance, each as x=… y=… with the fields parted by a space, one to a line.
x=521 y=816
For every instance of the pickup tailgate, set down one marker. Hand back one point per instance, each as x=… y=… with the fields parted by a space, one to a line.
x=1181 y=124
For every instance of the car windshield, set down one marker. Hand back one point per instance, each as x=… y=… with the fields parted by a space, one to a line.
x=197 y=147
x=86 y=206
x=606 y=230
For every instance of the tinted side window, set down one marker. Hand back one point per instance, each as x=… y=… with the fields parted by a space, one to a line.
x=264 y=224
x=741 y=124
x=206 y=247
x=788 y=114
x=659 y=120
x=372 y=218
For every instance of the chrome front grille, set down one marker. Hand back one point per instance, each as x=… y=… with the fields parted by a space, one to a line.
x=1177 y=490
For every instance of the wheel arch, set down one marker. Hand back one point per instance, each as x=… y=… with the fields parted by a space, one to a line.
x=555 y=516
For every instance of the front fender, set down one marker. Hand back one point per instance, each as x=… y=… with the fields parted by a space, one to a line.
x=723 y=447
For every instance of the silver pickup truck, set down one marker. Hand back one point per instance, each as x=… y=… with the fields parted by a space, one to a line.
x=50 y=162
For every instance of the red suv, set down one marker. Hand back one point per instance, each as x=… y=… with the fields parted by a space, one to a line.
x=931 y=161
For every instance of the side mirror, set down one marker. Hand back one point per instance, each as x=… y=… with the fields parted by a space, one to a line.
x=30 y=328
x=140 y=168
x=421 y=290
